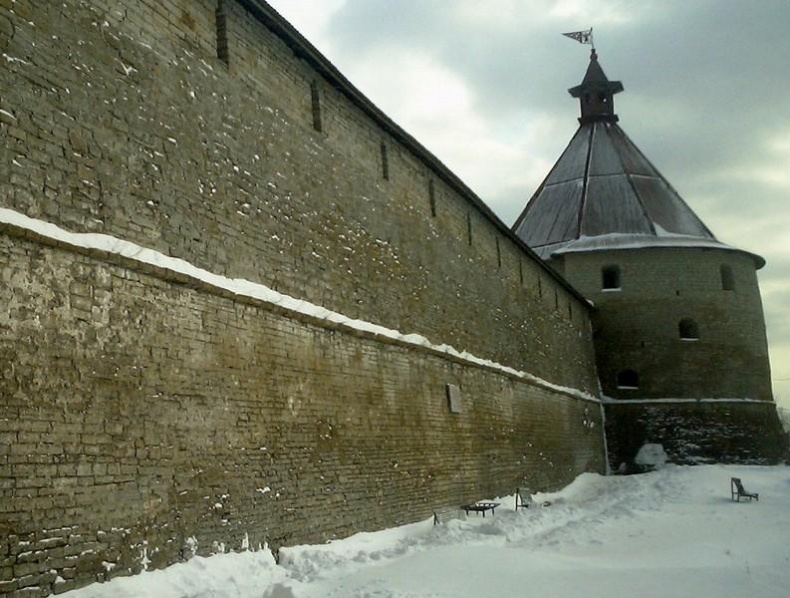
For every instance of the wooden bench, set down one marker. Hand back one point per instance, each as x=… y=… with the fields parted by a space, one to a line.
x=480 y=507
x=738 y=491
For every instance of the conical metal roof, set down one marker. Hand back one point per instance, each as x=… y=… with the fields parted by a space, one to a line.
x=603 y=193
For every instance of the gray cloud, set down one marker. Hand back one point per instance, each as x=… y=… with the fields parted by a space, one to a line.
x=362 y=25
x=706 y=82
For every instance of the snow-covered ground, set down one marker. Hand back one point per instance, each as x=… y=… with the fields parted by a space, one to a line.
x=671 y=533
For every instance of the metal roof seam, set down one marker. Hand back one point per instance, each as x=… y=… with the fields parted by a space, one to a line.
x=663 y=179
x=641 y=203
x=543 y=185
x=583 y=202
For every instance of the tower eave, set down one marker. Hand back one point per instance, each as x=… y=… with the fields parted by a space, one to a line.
x=611 y=87
x=592 y=118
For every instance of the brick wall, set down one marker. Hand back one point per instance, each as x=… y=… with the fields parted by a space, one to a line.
x=140 y=412
x=119 y=118
x=139 y=409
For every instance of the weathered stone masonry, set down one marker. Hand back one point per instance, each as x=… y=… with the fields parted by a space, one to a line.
x=140 y=408
x=129 y=125
x=229 y=419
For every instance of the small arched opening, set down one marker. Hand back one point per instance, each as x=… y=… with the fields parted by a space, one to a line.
x=627 y=379
x=688 y=329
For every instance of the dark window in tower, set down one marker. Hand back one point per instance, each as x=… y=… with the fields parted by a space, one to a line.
x=610 y=277
x=689 y=331
x=727 y=278
x=432 y=197
x=627 y=379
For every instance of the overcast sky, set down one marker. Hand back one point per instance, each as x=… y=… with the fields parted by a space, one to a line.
x=483 y=85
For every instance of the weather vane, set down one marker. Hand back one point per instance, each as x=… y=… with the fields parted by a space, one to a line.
x=583 y=37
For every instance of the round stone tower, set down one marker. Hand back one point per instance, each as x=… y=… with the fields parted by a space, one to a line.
x=679 y=320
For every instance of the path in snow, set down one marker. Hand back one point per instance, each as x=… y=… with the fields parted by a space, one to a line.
x=672 y=533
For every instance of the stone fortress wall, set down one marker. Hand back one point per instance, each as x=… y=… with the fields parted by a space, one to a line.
x=147 y=414
x=127 y=124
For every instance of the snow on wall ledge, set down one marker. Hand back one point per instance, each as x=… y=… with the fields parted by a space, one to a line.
x=246 y=288
x=152 y=417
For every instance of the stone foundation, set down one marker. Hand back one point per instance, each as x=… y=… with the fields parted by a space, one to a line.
x=696 y=432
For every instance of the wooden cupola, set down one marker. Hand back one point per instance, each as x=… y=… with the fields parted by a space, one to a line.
x=596 y=93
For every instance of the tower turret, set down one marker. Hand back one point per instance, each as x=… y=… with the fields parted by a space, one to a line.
x=679 y=320
x=596 y=93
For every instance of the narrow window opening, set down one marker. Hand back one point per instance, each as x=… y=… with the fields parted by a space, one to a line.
x=432 y=197
x=540 y=288
x=627 y=379
x=520 y=273
x=556 y=300
x=498 y=254
x=727 y=278
x=610 y=278
x=221 y=19
x=315 y=96
x=469 y=227
x=385 y=164
x=570 y=310
x=689 y=331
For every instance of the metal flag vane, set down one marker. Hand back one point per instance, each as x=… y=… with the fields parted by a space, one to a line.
x=583 y=37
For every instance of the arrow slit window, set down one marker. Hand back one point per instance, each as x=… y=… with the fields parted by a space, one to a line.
x=727 y=278
x=610 y=278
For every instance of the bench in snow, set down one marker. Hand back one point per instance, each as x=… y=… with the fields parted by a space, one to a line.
x=738 y=492
x=520 y=502
x=480 y=507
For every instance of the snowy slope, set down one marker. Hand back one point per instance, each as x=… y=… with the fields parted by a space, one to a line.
x=671 y=533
